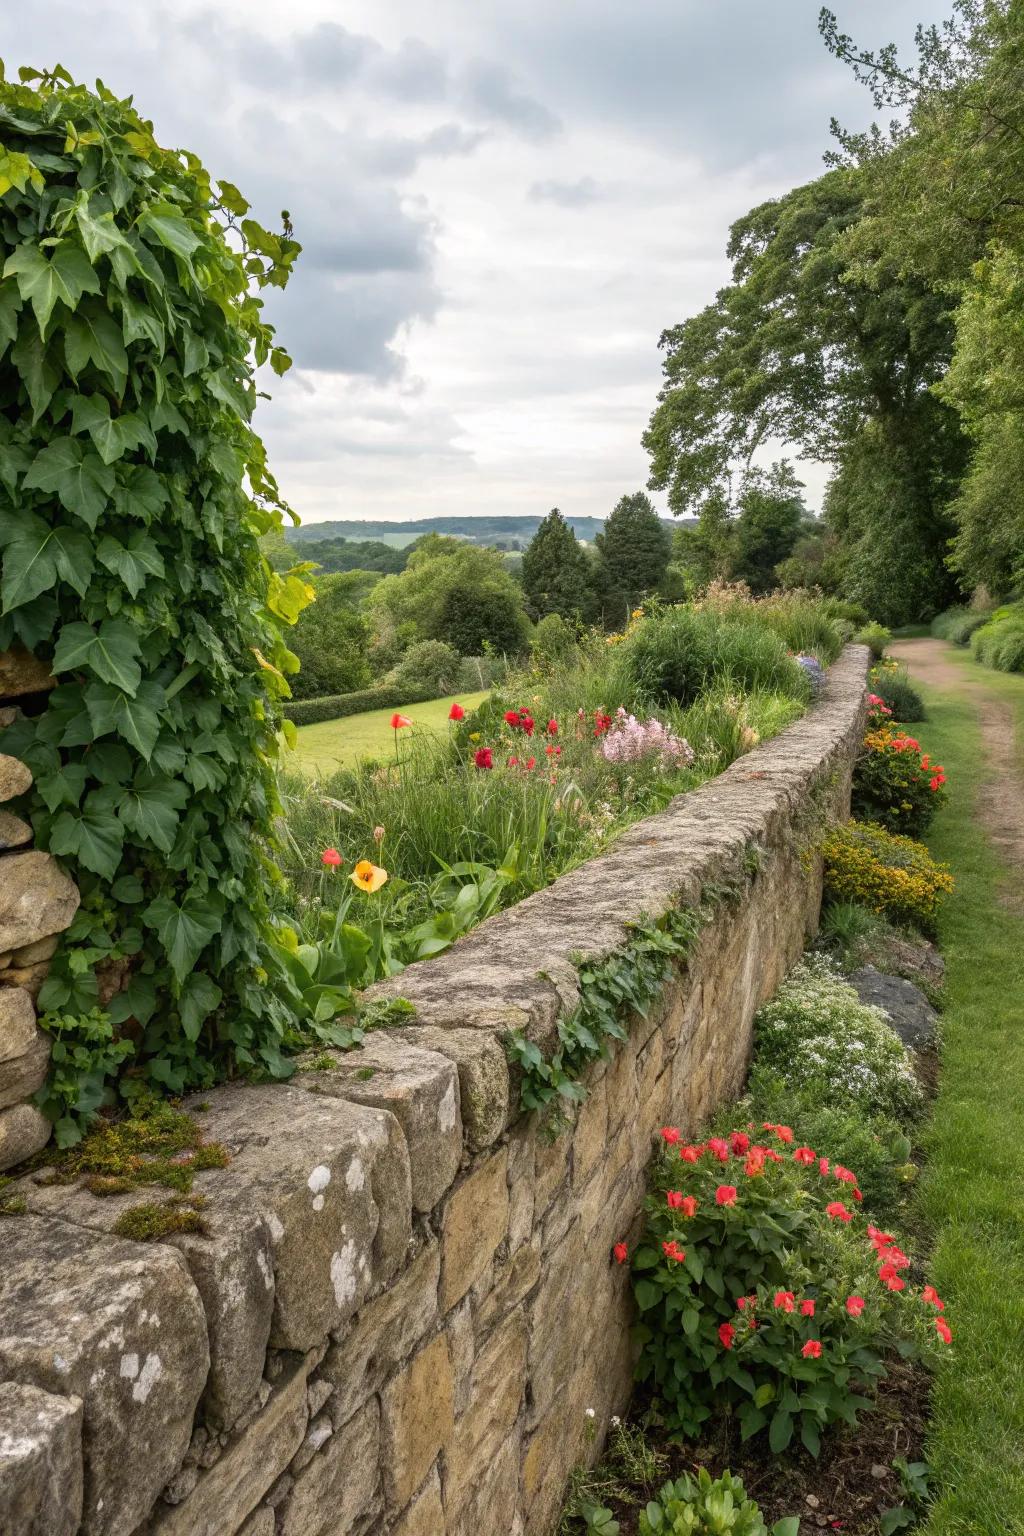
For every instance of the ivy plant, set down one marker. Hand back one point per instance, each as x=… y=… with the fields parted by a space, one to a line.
x=133 y=493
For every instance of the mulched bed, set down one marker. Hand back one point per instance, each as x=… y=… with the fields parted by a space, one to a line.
x=846 y=1489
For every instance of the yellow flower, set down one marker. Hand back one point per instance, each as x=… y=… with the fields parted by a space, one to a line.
x=474 y=735
x=369 y=877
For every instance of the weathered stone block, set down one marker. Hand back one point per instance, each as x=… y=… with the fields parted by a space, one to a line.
x=490 y=1503
x=483 y=1077
x=420 y=1088
x=20 y=1076
x=14 y=833
x=123 y=1329
x=425 y=1515
x=21 y=673
x=557 y=1323
x=498 y=1384
x=15 y=777
x=256 y=1457
x=40 y=1462
x=475 y=1221
x=17 y=1022
x=590 y=1133
x=331 y=1180
x=508 y=1284
x=36 y=896
x=385 y=1331
x=416 y=1420
x=339 y=1492
x=23 y=1132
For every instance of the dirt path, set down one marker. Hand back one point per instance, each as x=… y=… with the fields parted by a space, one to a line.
x=1001 y=801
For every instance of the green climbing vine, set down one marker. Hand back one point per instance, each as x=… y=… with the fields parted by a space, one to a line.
x=133 y=492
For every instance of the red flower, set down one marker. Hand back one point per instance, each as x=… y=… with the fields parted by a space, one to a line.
x=675 y=1199
x=742 y=1302
x=621 y=1253
x=530 y=764
x=807 y=1309
x=726 y=1333
x=719 y=1147
x=512 y=717
x=670 y=1134
x=843 y=1174
x=552 y=727
x=811 y=1350
x=456 y=712
x=855 y=1305
x=331 y=857
x=783 y=1132
x=527 y=725
x=672 y=1250
x=398 y=721
x=931 y=1295
x=879 y=1240
x=943 y=1330
x=482 y=757
x=513 y=762
x=688 y=1205
x=837 y=1210
x=725 y=1194
x=739 y=1142
x=783 y=1301
x=889 y=1277
x=691 y=1154
x=823 y=1167
x=754 y=1165
x=857 y=1195
x=804 y=1155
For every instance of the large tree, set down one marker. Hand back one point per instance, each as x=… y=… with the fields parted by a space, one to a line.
x=633 y=552
x=331 y=637
x=450 y=590
x=556 y=572
x=771 y=515
x=800 y=348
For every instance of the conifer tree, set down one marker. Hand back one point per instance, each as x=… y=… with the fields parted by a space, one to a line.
x=556 y=572
x=633 y=553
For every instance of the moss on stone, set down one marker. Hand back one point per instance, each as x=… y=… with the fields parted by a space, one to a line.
x=149 y=1222
x=10 y=1205
x=158 y=1143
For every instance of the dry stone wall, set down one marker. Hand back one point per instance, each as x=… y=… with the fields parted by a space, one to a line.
x=405 y=1301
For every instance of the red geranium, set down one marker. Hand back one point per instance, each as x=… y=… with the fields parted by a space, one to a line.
x=811 y=1350
x=456 y=712
x=621 y=1253
x=727 y=1333
x=483 y=758
x=331 y=857
x=725 y=1194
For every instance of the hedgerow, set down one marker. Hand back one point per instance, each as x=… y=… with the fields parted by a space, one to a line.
x=133 y=492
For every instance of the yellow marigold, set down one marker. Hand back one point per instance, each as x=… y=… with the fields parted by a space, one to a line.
x=369 y=877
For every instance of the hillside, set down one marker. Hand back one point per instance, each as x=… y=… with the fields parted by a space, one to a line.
x=500 y=532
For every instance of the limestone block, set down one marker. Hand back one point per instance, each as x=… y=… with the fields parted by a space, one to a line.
x=40 y=1462
x=36 y=897
x=475 y=1221
x=383 y=1334
x=23 y=1132
x=521 y=1179
x=339 y=1492
x=420 y=1088
x=20 y=1076
x=31 y=954
x=21 y=673
x=331 y=1179
x=14 y=833
x=416 y=1420
x=17 y=1022
x=254 y=1460
x=498 y=1384
x=556 y=1323
x=491 y=1500
x=123 y=1329
x=590 y=1134
x=15 y=777
x=483 y=1077
x=425 y=1515
x=510 y=1283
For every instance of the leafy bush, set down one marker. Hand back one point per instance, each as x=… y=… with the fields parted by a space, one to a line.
x=700 y=1507
x=133 y=494
x=959 y=624
x=875 y=636
x=804 y=621
x=477 y=673
x=888 y=681
x=429 y=665
x=1000 y=642
x=553 y=639
x=340 y=705
x=679 y=653
x=330 y=639
x=892 y=875
x=895 y=784
x=762 y=1292
x=816 y=1034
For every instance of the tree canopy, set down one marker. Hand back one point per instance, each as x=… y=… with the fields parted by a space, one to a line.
x=556 y=573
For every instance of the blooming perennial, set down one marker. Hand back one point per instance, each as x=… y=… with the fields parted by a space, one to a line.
x=627 y=740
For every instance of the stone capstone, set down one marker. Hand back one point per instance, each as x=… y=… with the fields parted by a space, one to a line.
x=122 y=1328
x=40 y=1462
x=908 y=1010
x=36 y=898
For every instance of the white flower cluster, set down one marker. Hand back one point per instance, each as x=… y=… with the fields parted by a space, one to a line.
x=630 y=740
x=816 y=1032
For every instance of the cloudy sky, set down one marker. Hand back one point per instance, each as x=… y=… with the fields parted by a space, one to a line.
x=502 y=204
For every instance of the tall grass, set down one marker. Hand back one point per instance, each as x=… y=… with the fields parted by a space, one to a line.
x=959 y=624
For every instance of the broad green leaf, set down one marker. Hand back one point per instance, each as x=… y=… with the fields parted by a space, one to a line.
x=136 y=720
x=79 y=478
x=38 y=556
x=184 y=931
x=139 y=323
x=112 y=652
x=165 y=224
x=65 y=277
x=64 y=787
x=95 y=838
x=39 y=371
x=232 y=199
x=789 y=1525
x=199 y=997
x=93 y=336
x=196 y=354
x=151 y=809
x=133 y=562
x=780 y=1431
x=10 y=303
x=100 y=235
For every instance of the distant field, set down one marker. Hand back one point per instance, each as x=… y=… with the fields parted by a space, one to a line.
x=340 y=743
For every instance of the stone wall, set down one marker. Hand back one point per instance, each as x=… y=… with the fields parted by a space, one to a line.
x=405 y=1300
x=37 y=902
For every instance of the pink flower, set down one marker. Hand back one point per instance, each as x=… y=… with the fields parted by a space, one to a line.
x=331 y=857
x=811 y=1350
x=719 y=1147
x=855 y=1305
x=725 y=1194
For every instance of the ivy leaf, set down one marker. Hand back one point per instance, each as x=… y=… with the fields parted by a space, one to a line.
x=40 y=373
x=139 y=323
x=136 y=720
x=199 y=997
x=95 y=838
x=10 y=303
x=133 y=561
x=165 y=224
x=65 y=278
x=99 y=235
x=113 y=436
x=151 y=808
x=112 y=653
x=38 y=556
x=80 y=479
x=93 y=336
x=183 y=931
x=141 y=494
x=64 y=787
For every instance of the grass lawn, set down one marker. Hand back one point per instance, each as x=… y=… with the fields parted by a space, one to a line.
x=972 y=1194
x=340 y=743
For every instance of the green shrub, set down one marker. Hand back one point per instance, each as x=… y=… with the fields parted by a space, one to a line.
x=959 y=624
x=818 y=1036
x=680 y=653
x=895 y=784
x=876 y=637
x=850 y=613
x=1000 y=642
x=846 y=926
x=892 y=875
x=477 y=673
x=428 y=665
x=553 y=639
x=133 y=495
x=761 y=1290
x=340 y=705
x=700 y=1507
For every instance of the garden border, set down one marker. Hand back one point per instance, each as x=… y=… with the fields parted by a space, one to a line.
x=405 y=1298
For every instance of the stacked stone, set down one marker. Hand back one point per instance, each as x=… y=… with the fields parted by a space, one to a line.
x=37 y=902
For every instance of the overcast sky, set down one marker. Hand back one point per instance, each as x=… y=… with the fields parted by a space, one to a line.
x=502 y=204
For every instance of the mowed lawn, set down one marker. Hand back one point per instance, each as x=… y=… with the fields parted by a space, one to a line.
x=339 y=743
